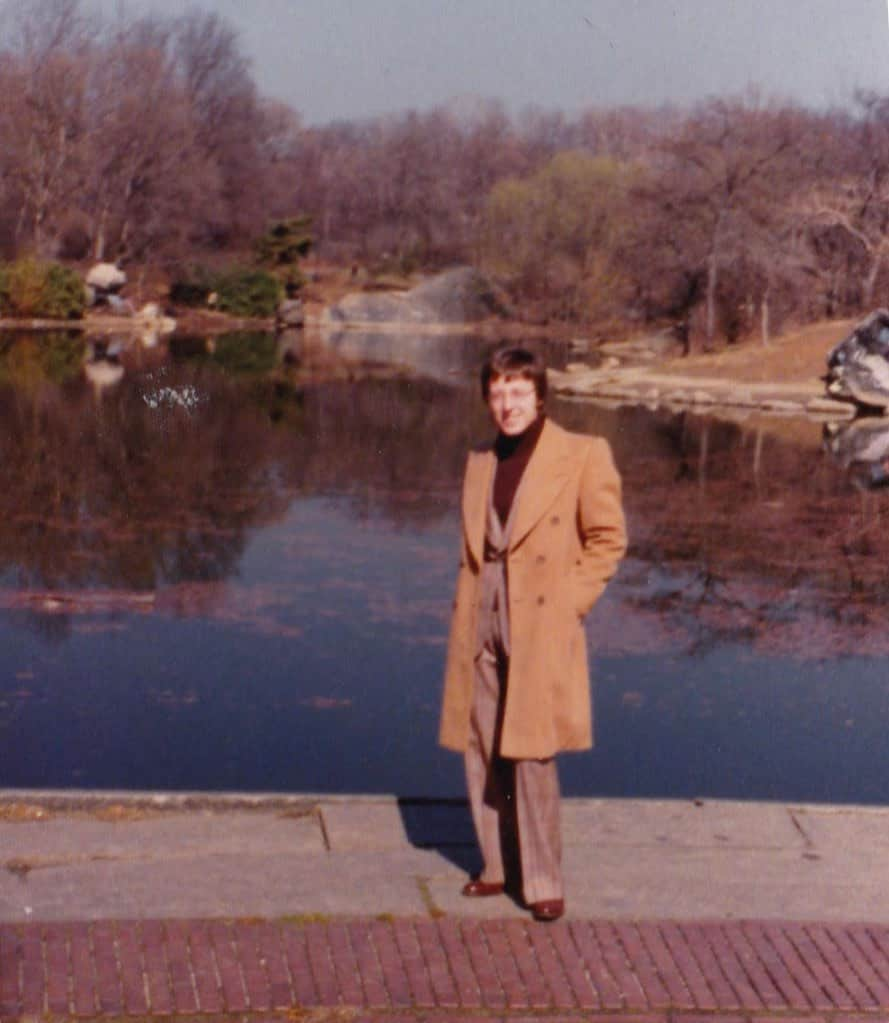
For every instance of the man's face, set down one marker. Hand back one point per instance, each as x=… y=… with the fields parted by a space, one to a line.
x=513 y=403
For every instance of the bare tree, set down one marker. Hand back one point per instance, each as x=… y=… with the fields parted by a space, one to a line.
x=718 y=184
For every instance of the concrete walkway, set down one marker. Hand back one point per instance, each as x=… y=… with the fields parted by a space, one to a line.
x=125 y=906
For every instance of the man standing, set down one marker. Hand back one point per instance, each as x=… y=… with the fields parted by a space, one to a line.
x=542 y=533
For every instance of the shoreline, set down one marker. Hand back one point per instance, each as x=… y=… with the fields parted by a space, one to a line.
x=645 y=386
x=721 y=382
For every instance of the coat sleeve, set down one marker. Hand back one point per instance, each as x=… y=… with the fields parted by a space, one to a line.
x=600 y=525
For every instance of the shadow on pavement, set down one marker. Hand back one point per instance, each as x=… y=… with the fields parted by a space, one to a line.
x=444 y=825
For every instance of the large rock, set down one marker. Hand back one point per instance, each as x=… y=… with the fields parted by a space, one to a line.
x=858 y=367
x=461 y=295
x=290 y=313
x=106 y=277
x=862 y=449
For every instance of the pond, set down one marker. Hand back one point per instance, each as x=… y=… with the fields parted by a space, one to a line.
x=228 y=565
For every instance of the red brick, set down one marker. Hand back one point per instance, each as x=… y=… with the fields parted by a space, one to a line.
x=154 y=958
x=692 y=1017
x=697 y=940
x=83 y=995
x=615 y=985
x=32 y=979
x=322 y=965
x=849 y=968
x=271 y=951
x=204 y=971
x=10 y=957
x=416 y=969
x=858 y=944
x=688 y=966
x=255 y=979
x=656 y=995
x=748 y=956
x=392 y=968
x=369 y=970
x=808 y=1018
x=783 y=962
x=439 y=973
x=483 y=965
x=825 y=963
x=132 y=974
x=573 y=966
x=539 y=995
x=865 y=1017
x=514 y=990
x=561 y=991
x=182 y=983
x=458 y=962
x=671 y=976
x=231 y=979
x=345 y=965
x=58 y=970
x=296 y=953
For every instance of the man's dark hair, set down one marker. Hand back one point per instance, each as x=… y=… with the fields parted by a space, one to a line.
x=515 y=361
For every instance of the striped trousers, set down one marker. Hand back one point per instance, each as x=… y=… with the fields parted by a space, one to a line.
x=514 y=803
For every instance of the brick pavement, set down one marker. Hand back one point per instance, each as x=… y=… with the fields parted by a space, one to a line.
x=446 y=969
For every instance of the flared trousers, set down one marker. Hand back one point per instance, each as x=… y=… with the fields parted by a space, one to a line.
x=514 y=803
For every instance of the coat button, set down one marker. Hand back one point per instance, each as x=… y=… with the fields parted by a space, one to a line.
x=540 y=601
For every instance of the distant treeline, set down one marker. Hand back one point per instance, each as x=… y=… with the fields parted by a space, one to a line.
x=145 y=139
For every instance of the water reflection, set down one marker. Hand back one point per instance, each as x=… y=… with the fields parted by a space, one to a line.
x=234 y=570
x=862 y=448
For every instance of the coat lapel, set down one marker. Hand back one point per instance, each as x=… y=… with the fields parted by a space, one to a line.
x=475 y=500
x=547 y=472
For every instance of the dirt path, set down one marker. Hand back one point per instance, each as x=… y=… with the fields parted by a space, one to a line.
x=796 y=357
x=784 y=377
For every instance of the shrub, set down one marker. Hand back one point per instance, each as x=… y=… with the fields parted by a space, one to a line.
x=64 y=297
x=248 y=293
x=193 y=288
x=240 y=292
x=246 y=352
x=285 y=242
x=30 y=288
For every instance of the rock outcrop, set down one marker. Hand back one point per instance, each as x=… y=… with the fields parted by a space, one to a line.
x=461 y=295
x=858 y=367
x=103 y=284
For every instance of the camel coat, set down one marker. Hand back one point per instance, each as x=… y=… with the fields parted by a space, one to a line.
x=567 y=539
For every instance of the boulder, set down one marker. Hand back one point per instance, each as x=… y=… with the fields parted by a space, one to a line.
x=461 y=295
x=858 y=366
x=106 y=277
x=861 y=447
x=290 y=314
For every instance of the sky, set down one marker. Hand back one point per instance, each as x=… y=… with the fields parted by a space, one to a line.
x=352 y=59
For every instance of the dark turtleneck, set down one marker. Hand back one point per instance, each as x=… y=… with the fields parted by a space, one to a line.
x=513 y=454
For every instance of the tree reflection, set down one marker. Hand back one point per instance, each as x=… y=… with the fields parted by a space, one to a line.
x=748 y=532
x=142 y=488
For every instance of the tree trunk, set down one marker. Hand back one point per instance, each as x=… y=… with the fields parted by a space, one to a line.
x=870 y=280
x=764 y=324
x=99 y=243
x=712 y=278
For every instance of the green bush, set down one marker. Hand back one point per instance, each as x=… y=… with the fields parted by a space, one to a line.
x=193 y=288
x=248 y=293
x=241 y=292
x=245 y=351
x=30 y=288
x=64 y=297
x=285 y=242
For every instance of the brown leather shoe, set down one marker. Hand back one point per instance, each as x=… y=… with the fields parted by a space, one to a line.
x=478 y=889
x=549 y=910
